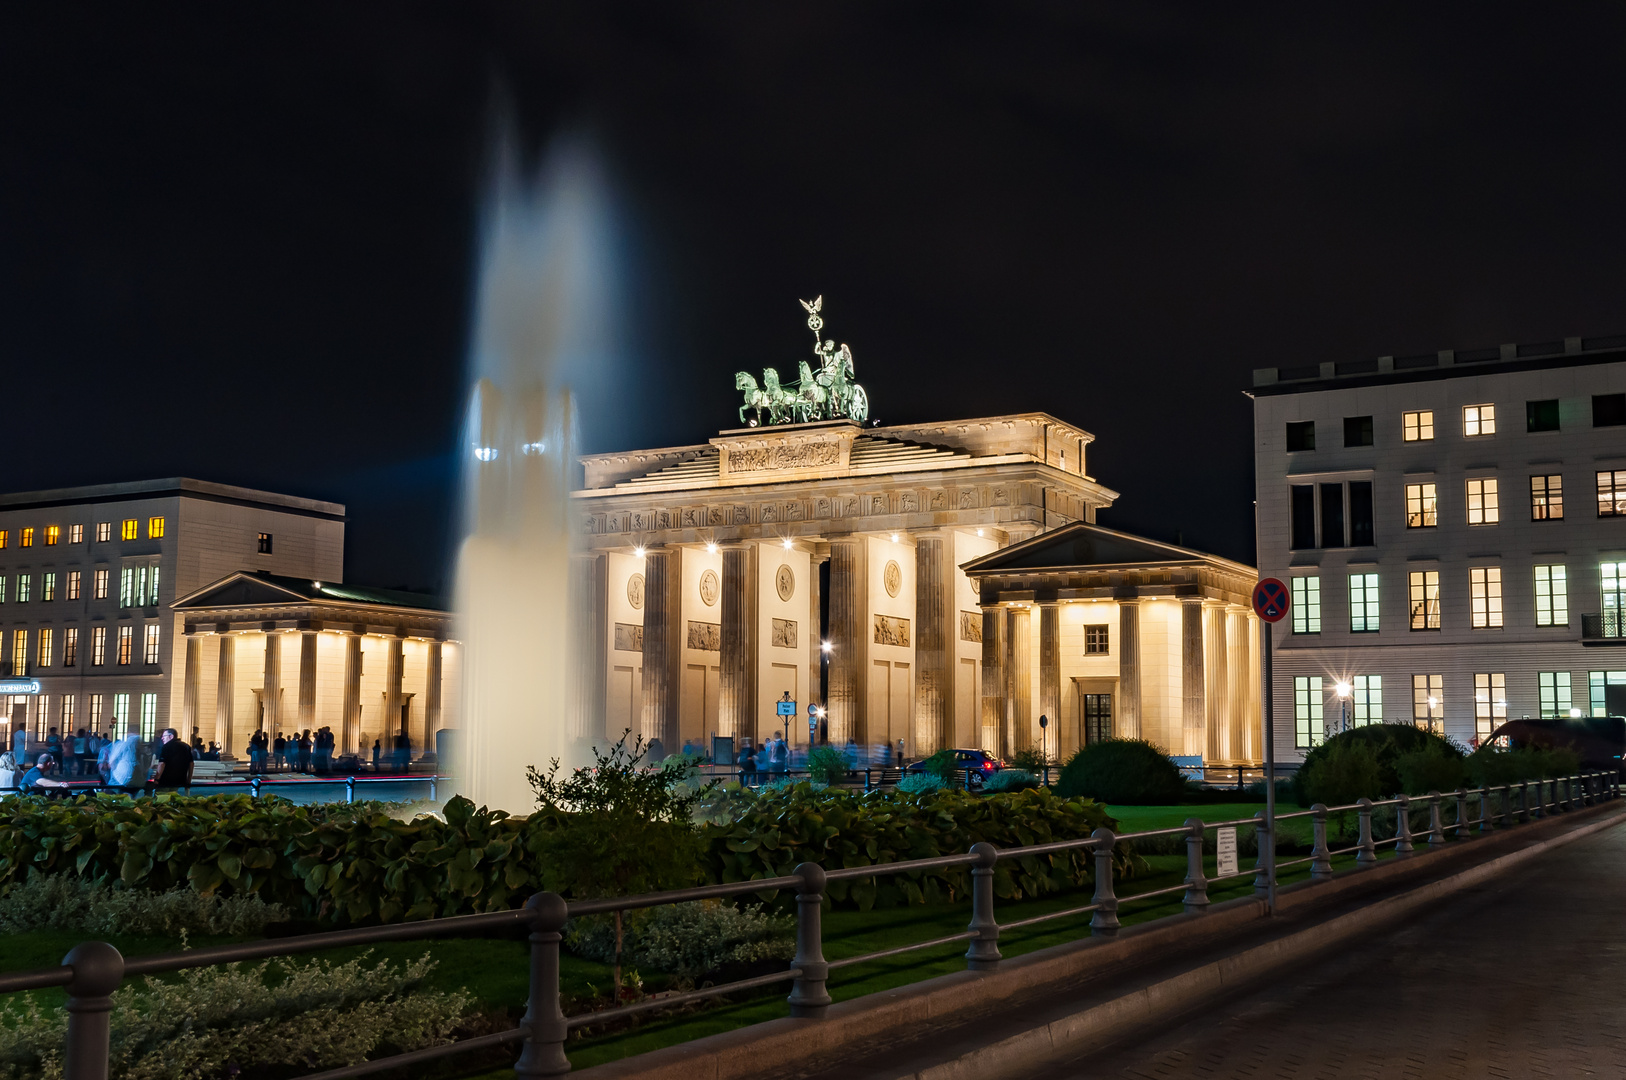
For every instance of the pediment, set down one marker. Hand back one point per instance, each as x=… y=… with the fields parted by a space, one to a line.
x=241 y=590
x=1083 y=544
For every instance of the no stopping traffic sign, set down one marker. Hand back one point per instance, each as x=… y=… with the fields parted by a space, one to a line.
x=1270 y=599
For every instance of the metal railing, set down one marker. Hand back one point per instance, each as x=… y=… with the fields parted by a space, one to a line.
x=255 y=785
x=93 y=970
x=1603 y=625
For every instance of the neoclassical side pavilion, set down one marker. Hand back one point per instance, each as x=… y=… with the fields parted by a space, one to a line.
x=365 y=662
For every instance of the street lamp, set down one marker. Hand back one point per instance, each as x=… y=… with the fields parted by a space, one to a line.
x=1343 y=690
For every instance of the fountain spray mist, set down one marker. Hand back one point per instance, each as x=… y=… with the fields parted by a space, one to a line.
x=541 y=315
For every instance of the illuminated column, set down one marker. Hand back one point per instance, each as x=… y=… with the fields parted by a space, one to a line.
x=1238 y=654
x=225 y=690
x=271 y=695
x=815 y=637
x=1050 y=675
x=993 y=679
x=189 y=689
x=849 y=612
x=934 y=689
x=350 y=724
x=736 y=691
x=1253 y=726
x=1217 y=698
x=589 y=601
x=431 y=698
x=1018 y=682
x=1193 y=671
x=1127 y=723
x=663 y=644
x=307 y=682
x=393 y=724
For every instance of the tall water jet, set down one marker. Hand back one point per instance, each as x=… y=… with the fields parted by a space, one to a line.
x=540 y=315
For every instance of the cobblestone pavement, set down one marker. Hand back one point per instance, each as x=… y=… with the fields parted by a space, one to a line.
x=1523 y=978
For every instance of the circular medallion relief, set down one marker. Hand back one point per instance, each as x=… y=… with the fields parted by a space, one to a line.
x=635 y=591
x=708 y=587
x=892 y=577
x=785 y=582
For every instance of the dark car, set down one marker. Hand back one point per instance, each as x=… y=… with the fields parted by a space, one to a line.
x=972 y=766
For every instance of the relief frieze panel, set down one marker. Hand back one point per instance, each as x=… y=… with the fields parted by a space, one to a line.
x=784 y=633
x=971 y=626
x=799 y=456
x=629 y=637
x=892 y=630
x=705 y=636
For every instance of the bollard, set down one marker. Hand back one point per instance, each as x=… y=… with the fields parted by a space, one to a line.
x=1436 y=824
x=1403 y=844
x=1320 y=854
x=1261 y=866
x=97 y=971
x=1487 y=812
x=254 y=788
x=1104 y=923
x=1196 y=898
x=1461 y=829
x=1366 y=851
x=983 y=955
x=808 y=997
x=433 y=784
x=350 y=789
x=543 y=1051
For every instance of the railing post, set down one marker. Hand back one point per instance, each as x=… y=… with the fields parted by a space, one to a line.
x=1366 y=851
x=543 y=1051
x=1524 y=802
x=1263 y=839
x=1436 y=823
x=1196 y=898
x=808 y=997
x=1104 y=923
x=350 y=789
x=1461 y=829
x=1487 y=815
x=1320 y=853
x=98 y=968
x=1403 y=844
x=254 y=788
x=983 y=955
x=433 y=784
x=1569 y=793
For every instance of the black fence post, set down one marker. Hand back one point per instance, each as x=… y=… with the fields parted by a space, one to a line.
x=98 y=968
x=543 y=1052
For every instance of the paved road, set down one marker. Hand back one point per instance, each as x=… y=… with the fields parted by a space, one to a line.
x=1524 y=978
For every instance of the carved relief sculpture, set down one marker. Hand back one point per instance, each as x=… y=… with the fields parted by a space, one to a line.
x=796 y=456
x=890 y=630
x=908 y=503
x=892 y=578
x=706 y=636
x=708 y=588
x=629 y=637
x=971 y=626
x=784 y=633
x=635 y=592
x=784 y=582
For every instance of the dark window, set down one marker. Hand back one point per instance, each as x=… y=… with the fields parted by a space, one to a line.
x=1608 y=410
x=1303 y=516
x=1360 y=513
x=1541 y=415
x=1097 y=718
x=1301 y=435
x=265 y=543
x=1357 y=431
x=1096 y=640
x=1332 y=515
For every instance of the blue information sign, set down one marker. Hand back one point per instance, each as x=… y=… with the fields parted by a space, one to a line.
x=787 y=708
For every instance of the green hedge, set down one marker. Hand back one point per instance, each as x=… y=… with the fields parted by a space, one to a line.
x=1127 y=772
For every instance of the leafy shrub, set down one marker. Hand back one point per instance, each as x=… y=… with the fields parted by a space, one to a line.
x=690 y=940
x=1489 y=766
x=68 y=902
x=1387 y=742
x=940 y=764
x=1347 y=771
x=1130 y=772
x=1009 y=780
x=1030 y=760
x=214 y=1021
x=917 y=783
x=1436 y=767
x=826 y=765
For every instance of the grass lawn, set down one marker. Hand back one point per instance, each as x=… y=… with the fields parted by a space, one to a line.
x=1145 y=818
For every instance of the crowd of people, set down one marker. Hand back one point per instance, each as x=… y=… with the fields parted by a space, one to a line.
x=117 y=763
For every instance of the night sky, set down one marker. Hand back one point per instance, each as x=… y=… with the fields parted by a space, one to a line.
x=236 y=242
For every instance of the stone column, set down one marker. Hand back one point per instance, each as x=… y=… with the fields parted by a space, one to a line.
x=1217 y=698
x=189 y=690
x=1050 y=676
x=225 y=690
x=1018 y=682
x=587 y=647
x=1253 y=726
x=736 y=689
x=1239 y=656
x=849 y=617
x=1126 y=725
x=431 y=698
x=993 y=679
x=271 y=695
x=1193 y=671
x=350 y=722
x=307 y=683
x=815 y=636
x=392 y=686
x=934 y=673
x=663 y=644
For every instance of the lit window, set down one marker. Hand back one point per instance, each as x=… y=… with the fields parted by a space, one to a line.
x=48 y=586
x=47 y=646
x=1552 y=596
x=104 y=531
x=1490 y=703
x=1478 y=420
x=1308 y=710
x=1366 y=693
x=1428 y=702
x=2 y=588
x=1485 y=596
x=130 y=529
x=19 y=653
x=1483 y=508
x=149 y=717
x=76 y=534
x=74 y=579
x=265 y=543
x=1301 y=436
x=127 y=587
x=1417 y=426
x=70 y=646
x=41 y=717
x=149 y=652
x=1363 y=603
x=1547 y=498
x=27 y=538
x=1598 y=684
x=126 y=644
x=98 y=646
x=4 y=537
x=99 y=586
x=1425 y=599
x=1554 y=687
x=53 y=533
x=1306 y=605
x=96 y=712
x=1612 y=493
x=152 y=586
x=70 y=711
x=1612 y=578
x=121 y=715
x=1096 y=640
x=1422 y=507
x=25 y=584
x=155 y=528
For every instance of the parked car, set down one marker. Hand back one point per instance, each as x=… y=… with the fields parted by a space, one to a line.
x=975 y=765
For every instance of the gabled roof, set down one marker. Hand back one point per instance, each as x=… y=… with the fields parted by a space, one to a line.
x=251 y=587
x=1084 y=545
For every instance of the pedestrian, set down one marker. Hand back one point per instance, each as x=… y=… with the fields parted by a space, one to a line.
x=8 y=771
x=173 y=769
x=41 y=776
x=279 y=750
x=213 y=753
x=403 y=751
x=53 y=745
x=900 y=753
x=121 y=763
x=779 y=756
x=748 y=766
x=76 y=765
x=305 y=751
x=378 y=749
x=19 y=746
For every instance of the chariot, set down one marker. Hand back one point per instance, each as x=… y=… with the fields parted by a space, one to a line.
x=828 y=393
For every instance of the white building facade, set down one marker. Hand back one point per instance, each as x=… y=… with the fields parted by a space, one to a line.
x=1453 y=529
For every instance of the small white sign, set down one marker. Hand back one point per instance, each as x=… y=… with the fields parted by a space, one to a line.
x=1225 y=846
